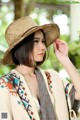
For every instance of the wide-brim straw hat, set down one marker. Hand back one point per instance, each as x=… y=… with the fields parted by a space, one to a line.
x=23 y=27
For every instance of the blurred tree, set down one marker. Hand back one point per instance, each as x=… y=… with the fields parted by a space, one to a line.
x=19 y=9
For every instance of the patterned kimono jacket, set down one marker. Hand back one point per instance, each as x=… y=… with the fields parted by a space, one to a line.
x=17 y=102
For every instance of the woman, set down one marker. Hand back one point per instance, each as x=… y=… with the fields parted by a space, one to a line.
x=28 y=92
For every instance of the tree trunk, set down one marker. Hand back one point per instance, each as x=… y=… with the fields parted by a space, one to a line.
x=19 y=9
x=30 y=6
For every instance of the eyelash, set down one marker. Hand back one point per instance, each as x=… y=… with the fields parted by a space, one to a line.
x=36 y=41
x=44 y=41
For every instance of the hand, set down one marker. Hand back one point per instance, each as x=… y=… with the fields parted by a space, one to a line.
x=61 y=50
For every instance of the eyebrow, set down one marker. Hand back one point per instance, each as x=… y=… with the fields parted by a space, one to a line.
x=38 y=38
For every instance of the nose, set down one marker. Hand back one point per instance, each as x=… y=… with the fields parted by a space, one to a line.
x=42 y=46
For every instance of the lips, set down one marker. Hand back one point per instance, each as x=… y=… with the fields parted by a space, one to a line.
x=41 y=54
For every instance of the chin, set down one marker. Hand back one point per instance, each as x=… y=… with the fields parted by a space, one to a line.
x=39 y=60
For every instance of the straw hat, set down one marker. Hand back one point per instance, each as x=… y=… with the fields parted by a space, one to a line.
x=23 y=27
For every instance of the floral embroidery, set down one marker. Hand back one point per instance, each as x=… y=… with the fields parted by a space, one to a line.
x=49 y=80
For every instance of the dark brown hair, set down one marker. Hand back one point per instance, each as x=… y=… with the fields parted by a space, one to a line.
x=22 y=53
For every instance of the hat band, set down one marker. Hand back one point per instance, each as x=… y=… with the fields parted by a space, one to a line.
x=28 y=30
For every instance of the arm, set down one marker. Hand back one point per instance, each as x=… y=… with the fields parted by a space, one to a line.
x=61 y=51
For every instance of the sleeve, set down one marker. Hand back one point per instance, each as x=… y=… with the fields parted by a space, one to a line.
x=5 y=106
x=70 y=92
x=74 y=105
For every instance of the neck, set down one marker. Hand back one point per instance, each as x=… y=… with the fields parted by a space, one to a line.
x=24 y=70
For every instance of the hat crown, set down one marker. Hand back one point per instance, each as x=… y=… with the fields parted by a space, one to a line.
x=18 y=28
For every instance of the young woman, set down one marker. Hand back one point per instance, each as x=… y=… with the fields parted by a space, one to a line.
x=28 y=92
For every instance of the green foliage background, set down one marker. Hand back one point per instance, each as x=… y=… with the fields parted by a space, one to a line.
x=7 y=16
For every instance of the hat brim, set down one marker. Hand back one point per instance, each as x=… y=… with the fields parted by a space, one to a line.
x=51 y=32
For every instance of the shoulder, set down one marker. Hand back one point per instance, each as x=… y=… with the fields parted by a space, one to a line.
x=53 y=74
x=50 y=71
x=6 y=81
x=7 y=86
x=4 y=91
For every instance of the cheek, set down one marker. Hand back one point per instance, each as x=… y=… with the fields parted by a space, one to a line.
x=34 y=52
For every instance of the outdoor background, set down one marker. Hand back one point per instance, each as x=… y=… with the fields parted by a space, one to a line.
x=62 y=12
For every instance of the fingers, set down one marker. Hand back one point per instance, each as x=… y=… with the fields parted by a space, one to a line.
x=54 y=45
x=57 y=45
x=60 y=45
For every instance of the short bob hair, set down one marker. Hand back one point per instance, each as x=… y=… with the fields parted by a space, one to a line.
x=22 y=53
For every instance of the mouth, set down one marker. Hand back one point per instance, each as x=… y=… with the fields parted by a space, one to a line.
x=41 y=54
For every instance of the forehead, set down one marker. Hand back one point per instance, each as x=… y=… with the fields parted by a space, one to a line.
x=39 y=33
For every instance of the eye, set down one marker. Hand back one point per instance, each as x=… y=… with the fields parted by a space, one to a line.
x=44 y=41
x=36 y=41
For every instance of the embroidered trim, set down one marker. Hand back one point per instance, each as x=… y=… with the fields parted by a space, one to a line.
x=49 y=80
x=13 y=83
x=66 y=89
